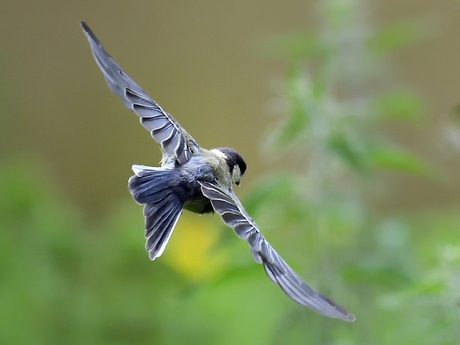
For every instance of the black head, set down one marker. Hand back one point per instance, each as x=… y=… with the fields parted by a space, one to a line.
x=233 y=160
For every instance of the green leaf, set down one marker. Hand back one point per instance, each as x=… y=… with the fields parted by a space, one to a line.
x=344 y=149
x=395 y=159
x=401 y=34
x=399 y=105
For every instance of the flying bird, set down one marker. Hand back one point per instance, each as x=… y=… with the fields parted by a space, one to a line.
x=199 y=180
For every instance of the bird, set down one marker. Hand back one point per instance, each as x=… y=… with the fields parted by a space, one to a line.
x=198 y=180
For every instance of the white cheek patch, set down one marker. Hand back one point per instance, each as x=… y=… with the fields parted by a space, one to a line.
x=236 y=176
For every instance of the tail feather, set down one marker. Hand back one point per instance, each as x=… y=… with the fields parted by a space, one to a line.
x=152 y=187
x=158 y=215
x=150 y=184
x=164 y=223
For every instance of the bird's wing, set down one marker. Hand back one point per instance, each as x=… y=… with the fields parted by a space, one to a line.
x=162 y=126
x=227 y=205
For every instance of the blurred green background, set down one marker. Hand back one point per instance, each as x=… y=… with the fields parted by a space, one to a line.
x=347 y=113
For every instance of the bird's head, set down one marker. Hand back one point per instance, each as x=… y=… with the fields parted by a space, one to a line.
x=235 y=163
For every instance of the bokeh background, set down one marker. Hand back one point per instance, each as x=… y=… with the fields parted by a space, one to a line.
x=347 y=113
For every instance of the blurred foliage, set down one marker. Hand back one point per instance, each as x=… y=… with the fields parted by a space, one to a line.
x=65 y=281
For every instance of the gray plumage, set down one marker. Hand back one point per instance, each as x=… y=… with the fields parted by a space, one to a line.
x=162 y=126
x=198 y=180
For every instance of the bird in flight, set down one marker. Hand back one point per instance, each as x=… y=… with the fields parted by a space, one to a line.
x=198 y=180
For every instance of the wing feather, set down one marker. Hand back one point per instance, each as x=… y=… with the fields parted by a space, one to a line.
x=163 y=127
x=227 y=205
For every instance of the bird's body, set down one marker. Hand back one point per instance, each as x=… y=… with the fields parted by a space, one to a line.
x=183 y=179
x=198 y=180
x=167 y=190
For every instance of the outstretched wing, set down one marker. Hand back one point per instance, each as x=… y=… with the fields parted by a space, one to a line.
x=163 y=127
x=235 y=216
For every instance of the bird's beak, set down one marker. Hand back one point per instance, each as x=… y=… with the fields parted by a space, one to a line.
x=237 y=183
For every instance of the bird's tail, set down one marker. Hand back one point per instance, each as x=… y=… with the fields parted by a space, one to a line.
x=162 y=207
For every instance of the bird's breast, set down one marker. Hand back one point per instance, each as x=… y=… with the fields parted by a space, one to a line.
x=199 y=204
